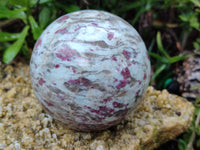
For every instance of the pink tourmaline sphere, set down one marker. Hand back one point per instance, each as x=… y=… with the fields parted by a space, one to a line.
x=89 y=69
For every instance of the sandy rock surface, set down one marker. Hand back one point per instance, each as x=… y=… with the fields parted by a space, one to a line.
x=24 y=125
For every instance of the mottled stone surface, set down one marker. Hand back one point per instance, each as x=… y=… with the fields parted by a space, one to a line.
x=89 y=69
x=24 y=124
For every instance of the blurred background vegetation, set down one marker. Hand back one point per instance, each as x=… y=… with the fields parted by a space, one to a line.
x=169 y=28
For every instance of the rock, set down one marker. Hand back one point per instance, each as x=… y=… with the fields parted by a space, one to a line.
x=24 y=125
x=94 y=71
x=11 y=93
x=188 y=75
x=127 y=142
x=98 y=145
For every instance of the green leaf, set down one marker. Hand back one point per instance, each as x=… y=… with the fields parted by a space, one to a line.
x=196 y=44
x=5 y=36
x=34 y=2
x=67 y=8
x=191 y=18
x=158 y=71
x=196 y=110
x=71 y=8
x=198 y=130
x=44 y=17
x=197 y=10
x=197 y=101
x=19 y=2
x=138 y=14
x=196 y=2
x=184 y=17
x=25 y=50
x=10 y=14
x=178 y=58
x=3 y=3
x=133 y=5
x=10 y=53
x=158 y=57
x=160 y=46
x=198 y=143
x=36 y=30
x=182 y=144
x=155 y=55
x=194 y=22
x=151 y=45
x=4 y=46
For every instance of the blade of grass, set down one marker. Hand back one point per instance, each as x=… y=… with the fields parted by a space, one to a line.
x=158 y=57
x=14 y=49
x=158 y=71
x=178 y=58
x=151 y=45
x=132 y=5
x=192 y=138
x=141 y=11
x=160 y=45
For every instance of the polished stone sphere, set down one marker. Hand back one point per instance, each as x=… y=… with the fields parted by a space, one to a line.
x=89 y=69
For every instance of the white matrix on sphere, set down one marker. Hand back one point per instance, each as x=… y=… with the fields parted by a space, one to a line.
x=89 y=69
